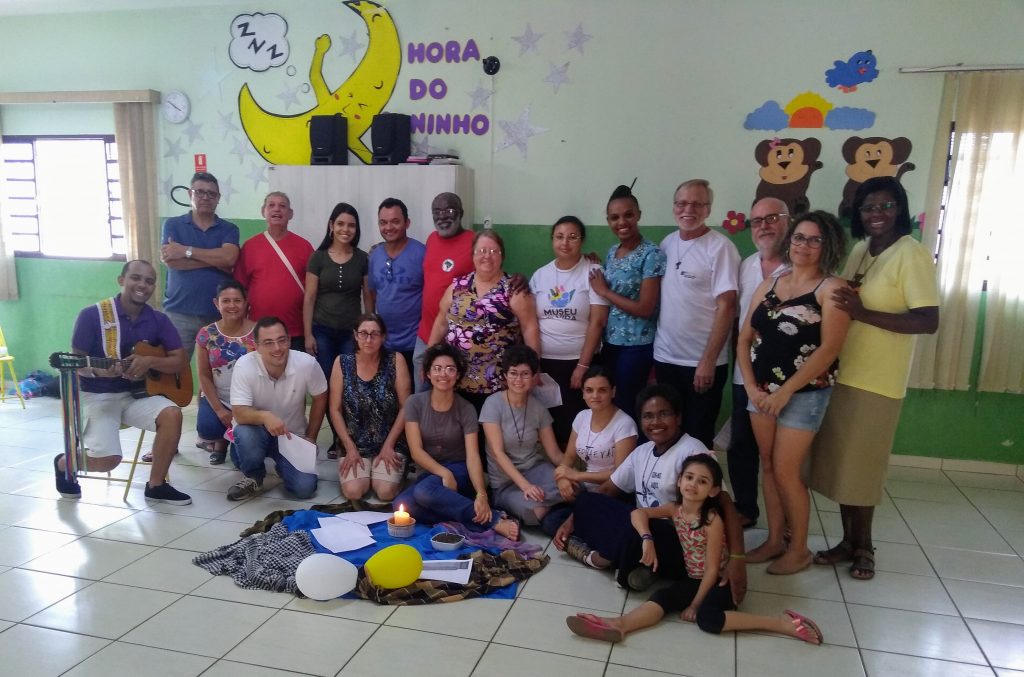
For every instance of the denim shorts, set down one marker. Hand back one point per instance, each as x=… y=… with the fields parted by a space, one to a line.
x=804 y=411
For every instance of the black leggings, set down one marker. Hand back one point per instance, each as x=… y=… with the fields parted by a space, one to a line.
x=710 y=613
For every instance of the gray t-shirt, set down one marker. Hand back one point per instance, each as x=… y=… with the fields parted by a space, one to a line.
x=443 y=432
x=519 y=429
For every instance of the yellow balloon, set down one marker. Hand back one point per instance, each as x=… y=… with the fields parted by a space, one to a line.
x=395 y=566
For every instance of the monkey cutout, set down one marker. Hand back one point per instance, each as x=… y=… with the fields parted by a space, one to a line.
x=786 y=168
x=870 y=157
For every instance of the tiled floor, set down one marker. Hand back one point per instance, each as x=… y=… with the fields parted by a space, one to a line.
x=101 y=587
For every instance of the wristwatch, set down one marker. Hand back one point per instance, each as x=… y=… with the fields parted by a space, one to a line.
x=188 y=253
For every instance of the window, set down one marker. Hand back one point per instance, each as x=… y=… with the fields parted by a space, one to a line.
x=63 y=196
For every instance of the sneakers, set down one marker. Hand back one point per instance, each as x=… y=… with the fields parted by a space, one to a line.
x=65 y=487
x=577 y=548
x=165 y=493
x=246 y=487
x=218 y=457
x=640 y=579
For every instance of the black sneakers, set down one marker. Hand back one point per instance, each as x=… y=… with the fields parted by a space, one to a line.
x=165 y=493
x=65 y=487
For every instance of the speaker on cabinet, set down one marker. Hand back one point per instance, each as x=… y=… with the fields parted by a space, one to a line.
x=390 y=135
x=328 y=140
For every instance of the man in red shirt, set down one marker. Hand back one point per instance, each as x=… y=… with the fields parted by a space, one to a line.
x=272 y=266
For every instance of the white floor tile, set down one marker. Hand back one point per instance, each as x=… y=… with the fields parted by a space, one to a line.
x=124 y=660
x=899 y=591
x=881 y=664
x=208 y=627
x=149 y=528
x=41 y=652
x=985 y=481
x=831 y=617
x=902 y=558
x=1002 y=643
x=163 y=569
x=988 y=602
x=771 y=656
x=923 y=491
x=103 y=610
x=352 y=609
x=541 y=626
x=92 y=558
x=579 y=586
x=473 y=619
x=208 y=536
x=497 y=660
x=678 y=647
x=224 y=668
x=73 y=517
x=23 y=593
x=819 y=582
x=18 y=545
x=206 y=504
x=914 y=633
x=307 y=643
x=223 y=587
x=982 y=567
x=416 y=653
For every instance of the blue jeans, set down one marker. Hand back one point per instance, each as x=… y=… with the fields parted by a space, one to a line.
x=632 y=368
x=208 y=425
x=419 y=383
x=329 y=344
x=430 y=502
x=253 y=444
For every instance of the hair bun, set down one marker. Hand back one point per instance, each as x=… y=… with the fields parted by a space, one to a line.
x=621 y=192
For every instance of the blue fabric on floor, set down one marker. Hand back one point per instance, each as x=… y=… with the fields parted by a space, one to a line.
x=310 y=519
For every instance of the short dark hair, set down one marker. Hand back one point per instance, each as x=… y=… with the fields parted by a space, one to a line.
x=881 y=184
x=493 y=234
x=671 y=395
x=599 y=371
x=622 y=193
x=444 y=350
x=370 y=317
x=124 y=268
x=520 y=354
x=339 y=209
x=569 y=218
x=266 y=322
x=204 y=176
x=231 y=283
x=833 y=239
x=390 y=202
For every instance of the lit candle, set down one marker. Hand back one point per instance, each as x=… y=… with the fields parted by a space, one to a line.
x=401 y=517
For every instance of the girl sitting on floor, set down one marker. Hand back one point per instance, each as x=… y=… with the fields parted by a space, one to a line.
x=698 y=597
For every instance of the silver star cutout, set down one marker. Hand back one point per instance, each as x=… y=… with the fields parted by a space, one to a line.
x=528 y=40
x=422 y=146
x=241 y=148
x=213 y=76
x=558 y=76
x=577 y=39
x=351 y=46
x=227 y=122
x=226 y=190
x=290 y=95
x=174 y=149
x=518 y=132
x=480 y=96
x=192 y=131
x=257 y=174
x=167 y=185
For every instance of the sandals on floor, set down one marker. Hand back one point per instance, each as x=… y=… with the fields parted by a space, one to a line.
x=589 y=625
x=218 y=457
x=806 y=629
x=776 y=568
x=863 y=567
x=842 y=552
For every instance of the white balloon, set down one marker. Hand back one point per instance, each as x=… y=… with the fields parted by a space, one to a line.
x=323 y=577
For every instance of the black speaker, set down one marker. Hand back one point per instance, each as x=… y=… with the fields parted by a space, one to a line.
x=328 y=139
x=391 y=134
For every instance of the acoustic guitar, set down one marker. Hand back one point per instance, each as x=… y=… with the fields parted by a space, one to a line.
x=176 y=387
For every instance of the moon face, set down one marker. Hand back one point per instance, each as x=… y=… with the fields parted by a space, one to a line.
x=284 y=139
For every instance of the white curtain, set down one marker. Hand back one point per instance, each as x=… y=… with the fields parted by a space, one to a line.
x=8 y=274
x=135 y=134
x=981 y=241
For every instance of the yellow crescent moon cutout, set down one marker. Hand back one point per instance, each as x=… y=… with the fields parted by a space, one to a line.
x=284 y=139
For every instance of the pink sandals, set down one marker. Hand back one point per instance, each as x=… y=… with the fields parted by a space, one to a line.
x=806 y=629
x=593 y=627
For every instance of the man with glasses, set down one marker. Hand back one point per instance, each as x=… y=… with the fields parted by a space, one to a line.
x=396 y=278
x=268 y=400
x=448 y=255
x=199 y=249
x=768 y=223
x=698 y=308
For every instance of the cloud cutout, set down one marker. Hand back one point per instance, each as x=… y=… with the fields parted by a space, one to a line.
x=768 y=116
x=849 y=118
x=258 y=41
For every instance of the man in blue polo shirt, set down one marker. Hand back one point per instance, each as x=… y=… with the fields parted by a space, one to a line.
x=396 y=278
x=199 y=250
x=110 y=329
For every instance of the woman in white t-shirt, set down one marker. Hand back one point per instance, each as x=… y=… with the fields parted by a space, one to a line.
x=602 y=437
x=571 y=317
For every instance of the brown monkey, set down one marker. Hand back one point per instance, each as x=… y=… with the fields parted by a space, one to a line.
x=786 y=168
x=874 y=156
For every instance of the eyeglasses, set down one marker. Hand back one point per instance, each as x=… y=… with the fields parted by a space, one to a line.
x=683 y=204
x=448 y=369
x=767 y=218
x=389 y=272
x=270 y=343
x=814 y=241
x=575 y=237
x=204 y=194
x=481 y=251
x=363 y=335
x=450 y=212
x=880 y=207
x=662 y=415
x=514 y=375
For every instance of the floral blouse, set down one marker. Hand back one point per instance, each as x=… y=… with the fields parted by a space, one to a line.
x=693 y=539
x=785 y=335
x=624 y=277
x=482 y=327
x=224 y=351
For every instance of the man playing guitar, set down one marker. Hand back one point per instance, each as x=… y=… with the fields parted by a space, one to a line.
x=109 y=329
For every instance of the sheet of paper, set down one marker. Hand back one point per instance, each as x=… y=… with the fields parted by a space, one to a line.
x=365 y=517
x=341 y=536
x=299 y=451
x=547 y=392
x=448 y=570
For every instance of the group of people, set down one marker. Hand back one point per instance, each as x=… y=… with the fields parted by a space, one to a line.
x=428 y=354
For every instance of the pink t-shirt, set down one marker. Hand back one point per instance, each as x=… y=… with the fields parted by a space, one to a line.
x=272 y=289
x=445 y=260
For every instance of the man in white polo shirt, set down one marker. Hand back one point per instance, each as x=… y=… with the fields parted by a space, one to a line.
x=268 y=400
